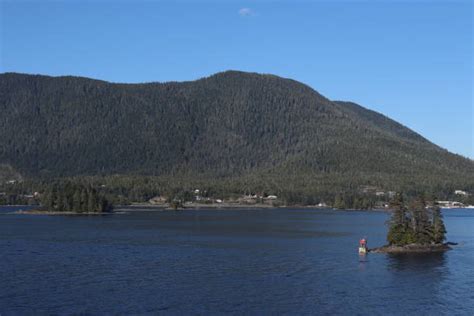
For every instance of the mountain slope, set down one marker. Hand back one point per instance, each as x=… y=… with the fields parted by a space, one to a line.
x=231 y=124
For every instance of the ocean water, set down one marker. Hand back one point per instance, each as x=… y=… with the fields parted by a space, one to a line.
x=231 y=261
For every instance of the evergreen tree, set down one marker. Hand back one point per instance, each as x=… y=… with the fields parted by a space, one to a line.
x=399 y=232
x=76 y=200
x=421 y=224
x=103 y=205
x=83 y=200
x=91 y=200
x=339 y=202
x=68 y=197
x=438 y=229
x=52 y=200
x=60 y=201
x=46 y=200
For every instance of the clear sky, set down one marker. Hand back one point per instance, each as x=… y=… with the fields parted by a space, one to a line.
x=410 y=60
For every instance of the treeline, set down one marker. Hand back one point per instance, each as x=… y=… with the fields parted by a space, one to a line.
x=69 y=197
x=16 y=199
x=357 y=201
x=416 y=222
x=332 y=190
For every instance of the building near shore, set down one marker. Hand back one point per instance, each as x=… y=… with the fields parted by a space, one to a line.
x=158 y=200
x=449 y=204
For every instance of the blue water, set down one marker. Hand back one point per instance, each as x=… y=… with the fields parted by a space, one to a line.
x=238 y=262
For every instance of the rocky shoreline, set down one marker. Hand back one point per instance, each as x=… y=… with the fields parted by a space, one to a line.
x=413 y=248
x=40 y=212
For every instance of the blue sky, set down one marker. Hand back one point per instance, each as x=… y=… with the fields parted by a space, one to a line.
x=410 y=60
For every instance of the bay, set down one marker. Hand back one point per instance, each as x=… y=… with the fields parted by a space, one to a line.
x=284 y=261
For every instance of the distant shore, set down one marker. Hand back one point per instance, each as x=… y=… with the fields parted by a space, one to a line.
x=227 y=206
x=224 y=206
x=120 y=209
x=146 y=207
x=197 y=206
x=41 y=212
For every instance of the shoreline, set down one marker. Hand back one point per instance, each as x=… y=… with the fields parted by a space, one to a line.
x=230 y=206
x=39 y=212
x=195 y=206
x=122 y=209
x=413 y=248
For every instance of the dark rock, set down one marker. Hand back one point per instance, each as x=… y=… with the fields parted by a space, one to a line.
x=412 y=248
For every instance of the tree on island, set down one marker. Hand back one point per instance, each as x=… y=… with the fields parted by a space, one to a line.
x=76 y=198
x=439 y=230
x=400 y=232
x=417 y=224
x=421 y=222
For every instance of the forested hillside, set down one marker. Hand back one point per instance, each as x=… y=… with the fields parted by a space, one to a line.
x=8 y=174
x=241 y=131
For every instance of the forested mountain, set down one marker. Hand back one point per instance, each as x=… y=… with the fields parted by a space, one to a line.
x=233 y=128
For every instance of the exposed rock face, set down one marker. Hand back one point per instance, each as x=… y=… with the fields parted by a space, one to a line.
x=412 y=248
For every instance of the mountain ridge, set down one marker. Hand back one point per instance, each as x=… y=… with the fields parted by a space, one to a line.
x=230 y=124
x=223 y=73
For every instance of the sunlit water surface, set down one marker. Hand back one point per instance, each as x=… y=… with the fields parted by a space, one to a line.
x=234 y=261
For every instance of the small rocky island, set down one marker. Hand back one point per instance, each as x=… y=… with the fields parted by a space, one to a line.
x=67 y=198
x=416 y=228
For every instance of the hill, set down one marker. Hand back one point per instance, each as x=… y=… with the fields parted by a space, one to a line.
x=246 y=131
